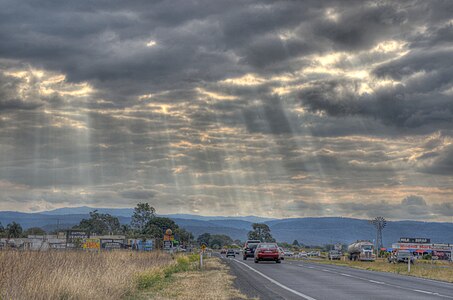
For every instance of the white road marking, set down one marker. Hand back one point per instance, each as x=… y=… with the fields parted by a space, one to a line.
x=384 y=283
x=347 y=275
x=277 y=283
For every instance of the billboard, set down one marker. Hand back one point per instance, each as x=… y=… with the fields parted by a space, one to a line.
x=112 y=244
x=92 y=244
x=415 y=240
x=73 y=235
x=141 y=245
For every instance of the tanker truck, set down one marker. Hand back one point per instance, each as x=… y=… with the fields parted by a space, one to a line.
x=361 y=251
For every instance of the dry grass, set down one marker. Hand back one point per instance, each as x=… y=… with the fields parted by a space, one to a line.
x=75 y=275
x=435 y=270
x=214 y=282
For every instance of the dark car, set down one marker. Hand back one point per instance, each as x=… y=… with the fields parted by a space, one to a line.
x=267 y=251
x=401 y=256
x=230 y=252
x=249 y=248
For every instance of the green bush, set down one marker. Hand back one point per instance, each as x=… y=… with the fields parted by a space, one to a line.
x=427 y=256
x=183 y=263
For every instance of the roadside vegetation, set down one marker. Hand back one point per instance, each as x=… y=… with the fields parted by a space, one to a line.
x=112 y=275
x=186 y=281
x=76 y=274
x=437 y=270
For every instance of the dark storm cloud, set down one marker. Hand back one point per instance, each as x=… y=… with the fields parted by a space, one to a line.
x=442 y=163
x=399 y=106
x=362 y=27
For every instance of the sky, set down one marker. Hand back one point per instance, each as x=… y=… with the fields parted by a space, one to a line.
x=269 y=108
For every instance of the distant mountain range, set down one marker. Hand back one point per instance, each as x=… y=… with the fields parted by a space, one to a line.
x=309 y=231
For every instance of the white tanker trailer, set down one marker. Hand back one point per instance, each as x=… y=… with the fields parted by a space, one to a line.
x=361 y=251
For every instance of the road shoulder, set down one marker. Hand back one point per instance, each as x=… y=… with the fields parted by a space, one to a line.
x=213 y=282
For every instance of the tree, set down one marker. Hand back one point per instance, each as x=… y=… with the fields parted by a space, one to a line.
x=34 y=231
x=261 y=232
x=2 y=231
x=296 y=243
x=219 y=241
x=204 y=238
x=156 y=226
x=99 y=223
x=13 y=230
x=143 y=213
x=183 y=236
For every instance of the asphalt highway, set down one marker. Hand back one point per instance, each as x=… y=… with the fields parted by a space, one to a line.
x=314 y=281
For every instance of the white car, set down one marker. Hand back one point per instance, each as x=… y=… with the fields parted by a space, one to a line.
x=288 y=253
x=302 y=255
x=314 y=253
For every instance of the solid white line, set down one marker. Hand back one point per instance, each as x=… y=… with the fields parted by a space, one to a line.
x=277 y=283
x=378 y=282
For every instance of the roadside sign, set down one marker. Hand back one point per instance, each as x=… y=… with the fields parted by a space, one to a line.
x=203 y=247
x=167 y=245
x=92 y=244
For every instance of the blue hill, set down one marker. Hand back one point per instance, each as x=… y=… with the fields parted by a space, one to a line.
x=309 y=231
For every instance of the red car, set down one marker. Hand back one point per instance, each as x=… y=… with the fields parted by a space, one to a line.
x=267 y=251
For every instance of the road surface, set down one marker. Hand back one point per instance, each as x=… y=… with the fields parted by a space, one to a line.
x=314 y=281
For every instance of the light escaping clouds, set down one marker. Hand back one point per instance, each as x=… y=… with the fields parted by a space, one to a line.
x=283 y=109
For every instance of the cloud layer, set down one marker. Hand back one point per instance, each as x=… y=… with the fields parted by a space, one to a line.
x=272 y=108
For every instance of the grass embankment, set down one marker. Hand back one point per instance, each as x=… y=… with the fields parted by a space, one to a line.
x=185 y=280
x=75 y=274
x=437 y=270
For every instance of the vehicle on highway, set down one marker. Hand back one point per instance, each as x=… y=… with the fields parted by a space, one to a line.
x=249 y=248
x=334 y=255
x=281 y=252
x=302 y=254
x=223 y=251
x=401 y=256
x=361 y=251
x=288 y=253
x=236 y=251
x=314 y=253
x=267 y=251
x=230 y=252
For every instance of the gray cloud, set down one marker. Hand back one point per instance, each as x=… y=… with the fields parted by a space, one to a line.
x=139 y=194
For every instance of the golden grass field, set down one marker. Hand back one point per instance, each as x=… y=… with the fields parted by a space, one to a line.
x=437 y=270
x=76 y=274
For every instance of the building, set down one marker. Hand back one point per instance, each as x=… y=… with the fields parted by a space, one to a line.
x=422 y=246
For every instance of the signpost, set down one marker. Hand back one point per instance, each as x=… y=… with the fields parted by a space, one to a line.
x=167 y=245
x=168 y=240
x=203 y=249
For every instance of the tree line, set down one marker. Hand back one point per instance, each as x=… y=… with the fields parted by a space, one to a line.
x=15 y=230
x=144 y=224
